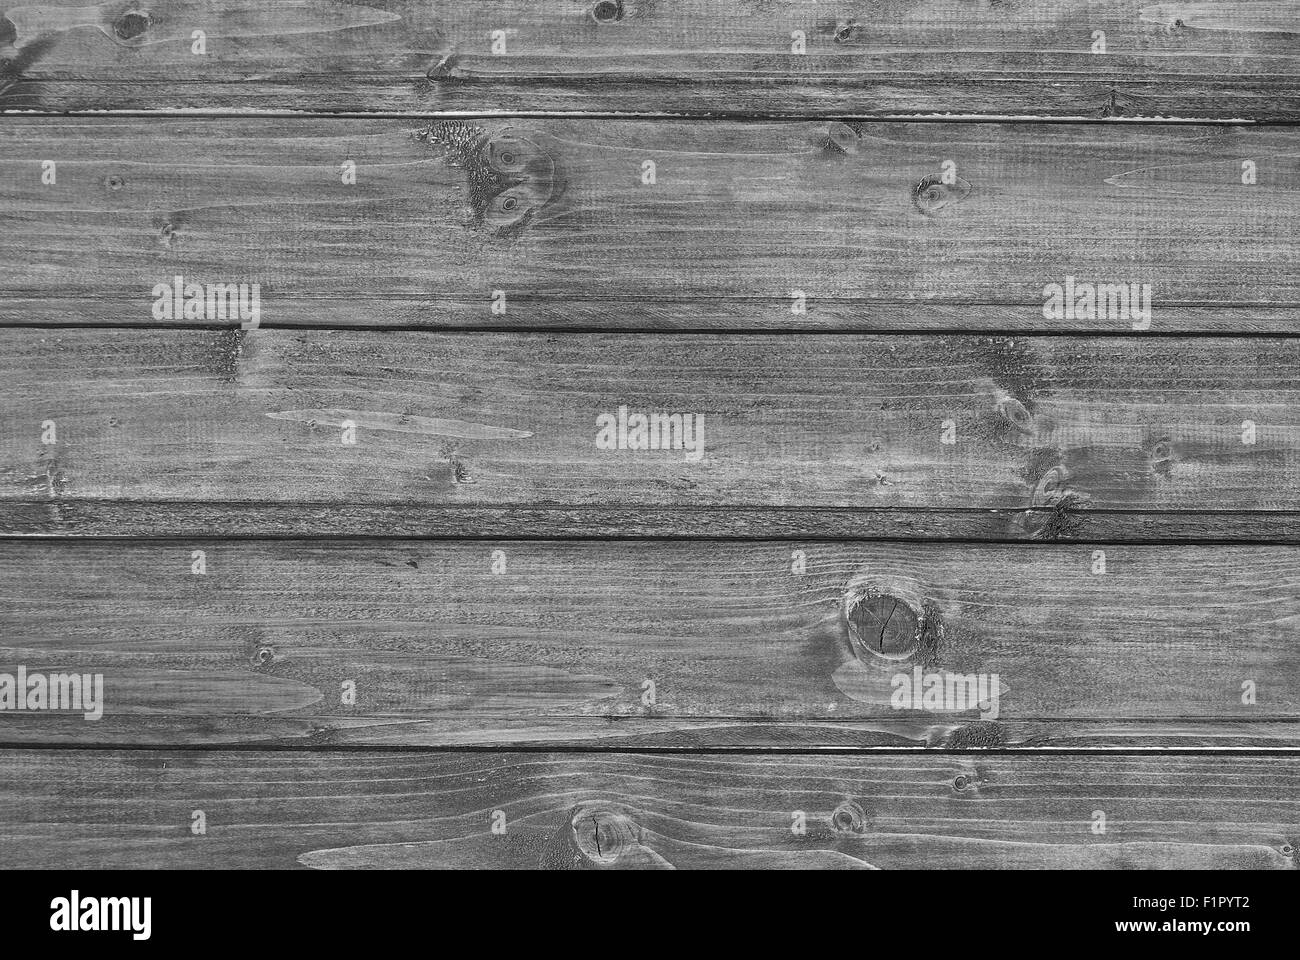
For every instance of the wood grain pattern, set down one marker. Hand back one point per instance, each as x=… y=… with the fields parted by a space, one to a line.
x=108 y=809
x=73 y=517
x=1225 y=59
x=554 y=214
x=469 y=634
x=498 y=420
x=766 y=644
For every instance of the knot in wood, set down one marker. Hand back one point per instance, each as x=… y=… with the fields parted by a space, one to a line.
x=1052 y=487
x=972 y=782
x=525 y=176
x=848 y=817
x=511 y=155
x=131 y=24
x=602 y=833
x=932 y=196
x=841 y=138
x=1161 y=455
x=607 y=11
x=1013 y=412
x=444 y=68
x=1053 y=491
x=511 y=178
x=883 y=625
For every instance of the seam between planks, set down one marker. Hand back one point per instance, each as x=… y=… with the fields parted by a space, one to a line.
x=1020 y=333
x=740 y=116
x=965 y=752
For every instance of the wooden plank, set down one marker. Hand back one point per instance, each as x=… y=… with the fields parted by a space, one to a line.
x=547 y=223
x=501 y=420
x=1227 y=59
x=670 y=645
x=72 y=517
x=110 y=809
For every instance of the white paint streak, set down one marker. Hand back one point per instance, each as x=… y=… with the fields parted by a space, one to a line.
x=1224 y=171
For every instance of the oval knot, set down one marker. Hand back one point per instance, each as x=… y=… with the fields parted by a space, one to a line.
x=932 y=196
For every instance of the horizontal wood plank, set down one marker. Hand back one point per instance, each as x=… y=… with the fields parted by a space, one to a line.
x=108 y=809
x=1062 y=425
x=549 y=223
x=671 y=645
x=1107 y=58
x=72 y=517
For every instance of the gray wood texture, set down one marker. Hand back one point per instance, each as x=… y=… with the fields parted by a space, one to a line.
x=1068 y=521
x=1227 y=59
x=777 y=644
x=468 y=634
x=1043 y=429
x=105 y=809
x=556 y=216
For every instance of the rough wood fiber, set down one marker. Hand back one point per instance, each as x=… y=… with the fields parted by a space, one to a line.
x=471 y=653
x=72 y=517
x=555 y=215
x=1225 y=59
x=499 y=420
x=346 y=811
x=766 y=644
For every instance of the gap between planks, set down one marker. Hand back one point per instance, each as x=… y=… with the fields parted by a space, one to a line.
x=739 y=116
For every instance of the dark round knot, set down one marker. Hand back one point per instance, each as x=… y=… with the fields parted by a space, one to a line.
x=607 y=11
x=130 y=25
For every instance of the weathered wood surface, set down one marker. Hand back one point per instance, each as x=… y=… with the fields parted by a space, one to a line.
x=497 y=420
x=1227 y=59
x=111 y=809
x=554 y=214
x=768 y=644
x=72 y=517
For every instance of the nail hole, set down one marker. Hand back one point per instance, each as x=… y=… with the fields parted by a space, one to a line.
x=960 y=782
x=264 y=656
x=608 y=11
x=114 y=182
